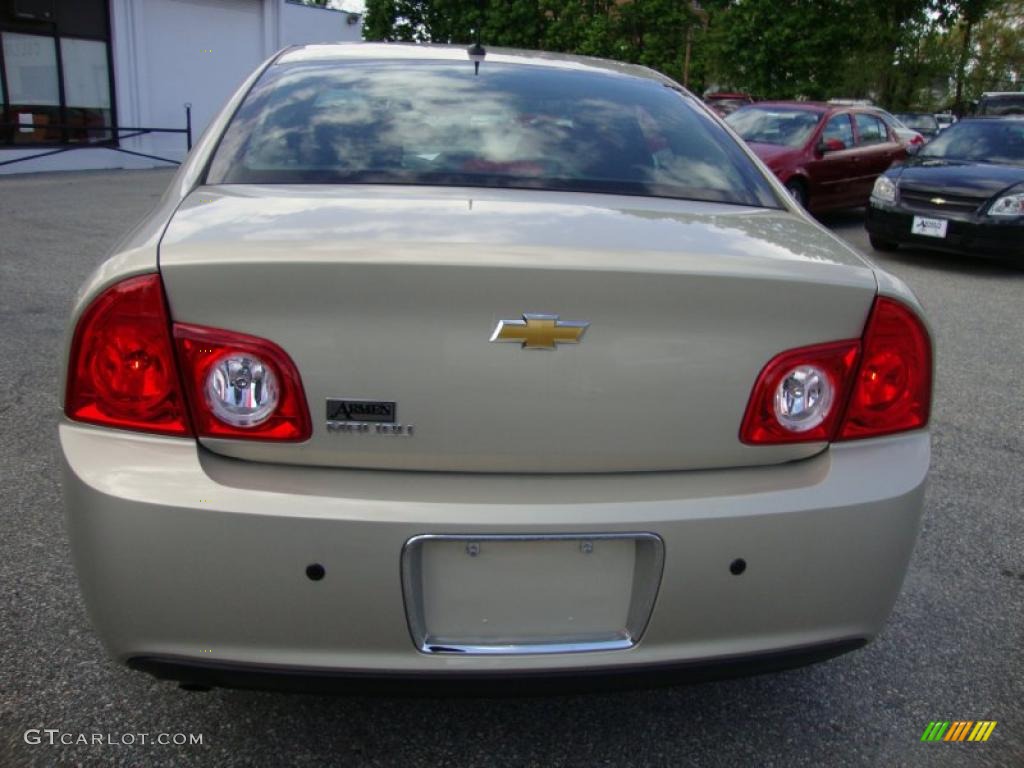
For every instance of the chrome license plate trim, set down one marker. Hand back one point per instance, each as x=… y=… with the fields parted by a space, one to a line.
x=648 y=569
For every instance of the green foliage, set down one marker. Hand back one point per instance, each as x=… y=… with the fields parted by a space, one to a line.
x=998 y=55
x=902 y=53
x=784 y=48
x=651 y=32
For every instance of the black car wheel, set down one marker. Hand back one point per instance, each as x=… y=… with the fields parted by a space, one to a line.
x=880 y=244
x=798 y=190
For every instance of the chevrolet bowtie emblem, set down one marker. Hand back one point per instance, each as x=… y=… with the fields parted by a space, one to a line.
x=539 y=331
x=938 y=201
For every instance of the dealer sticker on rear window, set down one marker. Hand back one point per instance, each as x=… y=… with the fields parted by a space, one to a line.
x=929 y=227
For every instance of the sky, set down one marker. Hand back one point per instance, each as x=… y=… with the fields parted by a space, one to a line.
x=355 y=6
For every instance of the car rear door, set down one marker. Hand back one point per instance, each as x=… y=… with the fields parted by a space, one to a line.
x=878 y=148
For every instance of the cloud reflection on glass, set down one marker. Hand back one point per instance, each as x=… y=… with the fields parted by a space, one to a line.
x=513 y=126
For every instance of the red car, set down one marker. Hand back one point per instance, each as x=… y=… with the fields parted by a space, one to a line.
x=827 y=156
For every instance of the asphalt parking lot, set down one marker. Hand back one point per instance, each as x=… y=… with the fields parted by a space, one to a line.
x=953 y=649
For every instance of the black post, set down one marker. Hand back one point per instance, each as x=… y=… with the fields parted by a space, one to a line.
x=188 y=126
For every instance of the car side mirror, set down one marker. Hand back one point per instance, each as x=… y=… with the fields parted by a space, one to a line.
x=832 y=145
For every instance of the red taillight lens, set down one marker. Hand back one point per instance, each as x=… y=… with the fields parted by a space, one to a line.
x=121 y=371
x=893 y=387
x=846 y=390
x=812 y=380
x=241 y=386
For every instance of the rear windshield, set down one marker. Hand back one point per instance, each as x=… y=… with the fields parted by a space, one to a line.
x=437 y=123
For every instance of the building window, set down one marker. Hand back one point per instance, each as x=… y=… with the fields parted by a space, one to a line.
x=56 y=86
x=86 y=89
x=32 y=90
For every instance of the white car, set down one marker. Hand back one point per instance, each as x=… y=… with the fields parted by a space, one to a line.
x=911 y=139
x=433 y=367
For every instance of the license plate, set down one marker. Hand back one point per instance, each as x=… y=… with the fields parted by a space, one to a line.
x=929 y=227
x=530 y=594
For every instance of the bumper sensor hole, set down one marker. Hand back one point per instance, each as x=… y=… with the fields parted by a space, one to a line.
x=737 y=566
x=315 y=572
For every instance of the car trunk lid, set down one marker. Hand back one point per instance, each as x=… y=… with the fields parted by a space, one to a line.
x=392 y=295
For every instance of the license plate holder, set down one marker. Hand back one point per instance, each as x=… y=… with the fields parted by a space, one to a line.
x=520 y=594
x=929 y=227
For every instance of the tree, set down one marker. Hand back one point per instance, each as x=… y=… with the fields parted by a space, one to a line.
x=900 y=53
x=393 y=20
x=997 y=61
x=651 y=32
x=967 y=13
x=782 y=48
x=891 y=36
x=515 y=23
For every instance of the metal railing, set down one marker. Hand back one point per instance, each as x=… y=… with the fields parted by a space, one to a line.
x=112 y=143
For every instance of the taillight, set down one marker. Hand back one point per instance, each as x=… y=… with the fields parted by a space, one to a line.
x=799 y=395
x=241 y=386
x=121 y=370
x=893 y=387
x=846 y=390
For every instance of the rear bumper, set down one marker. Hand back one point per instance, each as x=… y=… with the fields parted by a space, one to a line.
x=190 y=561
x=199 y=674
x=971 y=238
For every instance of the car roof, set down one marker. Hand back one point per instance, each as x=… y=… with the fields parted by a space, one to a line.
x=807 y=106
x=326 y=52
x=818 y=107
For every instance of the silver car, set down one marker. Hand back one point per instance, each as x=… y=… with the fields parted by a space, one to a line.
x=430 y=366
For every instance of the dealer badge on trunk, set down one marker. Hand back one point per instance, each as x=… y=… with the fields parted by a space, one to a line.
x=365 y=417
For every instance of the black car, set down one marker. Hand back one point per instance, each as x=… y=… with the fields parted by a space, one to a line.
x=964 y=192
x=1001 y=103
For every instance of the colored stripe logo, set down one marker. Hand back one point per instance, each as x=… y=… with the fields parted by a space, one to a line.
x=958 y=730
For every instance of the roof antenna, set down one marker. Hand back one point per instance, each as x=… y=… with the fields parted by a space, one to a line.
x=476 y=55
x=476 y=51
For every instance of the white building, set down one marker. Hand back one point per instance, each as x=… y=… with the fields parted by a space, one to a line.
x=79 y=72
